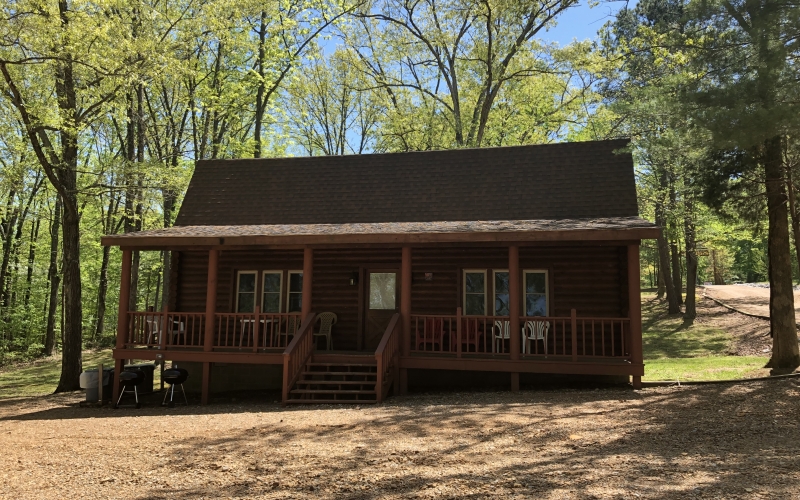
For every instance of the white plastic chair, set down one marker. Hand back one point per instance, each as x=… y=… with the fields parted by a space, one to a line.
x=500 y=332
x=153 y=329
x=536 y=330
x=326 y=322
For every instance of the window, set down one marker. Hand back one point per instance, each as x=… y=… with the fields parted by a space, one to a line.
x=295 y=291
x=245 y=291
x=474 y=292
x=271 y=299
x=501 y=293
x=382 y=290
x=536 y=295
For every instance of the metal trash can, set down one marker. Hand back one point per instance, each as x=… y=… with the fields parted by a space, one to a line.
x=88 y=381
x=146 y=387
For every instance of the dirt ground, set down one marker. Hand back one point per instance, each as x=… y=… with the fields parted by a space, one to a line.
x=750 y=299
x=750 y=335
x=716 y=441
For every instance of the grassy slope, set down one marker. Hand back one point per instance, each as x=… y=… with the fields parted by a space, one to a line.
x=673 y=351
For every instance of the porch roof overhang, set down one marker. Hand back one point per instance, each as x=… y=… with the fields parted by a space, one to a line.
x=544 y=230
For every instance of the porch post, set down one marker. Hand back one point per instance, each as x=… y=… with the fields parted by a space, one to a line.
x=122 y=318
x=514 y=301
x=308 y=276
x=635 y=310
x=405 y=313
x=211 y=308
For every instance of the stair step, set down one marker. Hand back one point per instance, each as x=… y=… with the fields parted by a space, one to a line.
x=331 y=401
x=341 y=374
x=364 y=365
x=337 y=382
x=330 y=391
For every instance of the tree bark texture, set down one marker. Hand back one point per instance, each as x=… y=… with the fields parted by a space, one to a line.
x=785 y=353
x=663 y=254
x=55 y=280
x=689 y=229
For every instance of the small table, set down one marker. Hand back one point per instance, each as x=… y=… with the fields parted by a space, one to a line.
x=248 y=323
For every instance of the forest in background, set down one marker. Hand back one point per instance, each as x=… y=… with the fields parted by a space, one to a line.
x=106 y=105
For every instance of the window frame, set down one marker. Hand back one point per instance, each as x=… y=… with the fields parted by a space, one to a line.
x=546 y=290
x=494 y=292
x=464 y=273
x=279 y=272
x=289 y=291
x=239 y=274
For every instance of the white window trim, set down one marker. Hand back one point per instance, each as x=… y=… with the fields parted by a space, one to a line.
x=464 y=290
x=255 y=290
x=289 y=286
x=546 y=290
x=494 y=291
x=279 y=272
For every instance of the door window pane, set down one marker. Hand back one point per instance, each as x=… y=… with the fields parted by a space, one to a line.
x=501 y=295
x=382 y=290
x=271 y=301
x=536 y=293
x=295 y=291
x=474 y=293
x=246 y=292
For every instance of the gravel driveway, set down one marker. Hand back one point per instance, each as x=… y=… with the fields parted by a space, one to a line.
x=749 y=299
x=719 y=441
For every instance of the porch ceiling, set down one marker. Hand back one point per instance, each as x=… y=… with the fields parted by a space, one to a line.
x=594 y=229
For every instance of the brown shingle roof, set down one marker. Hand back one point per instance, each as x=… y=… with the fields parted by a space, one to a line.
x=522 y=183
x=441 y=231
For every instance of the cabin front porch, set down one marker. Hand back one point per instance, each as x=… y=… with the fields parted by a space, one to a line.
x=415 y=330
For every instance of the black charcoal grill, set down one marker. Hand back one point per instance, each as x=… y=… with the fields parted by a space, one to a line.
x=130 y=378
x=173 y=377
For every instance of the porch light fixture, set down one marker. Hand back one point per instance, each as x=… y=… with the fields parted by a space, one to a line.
x=354 y=278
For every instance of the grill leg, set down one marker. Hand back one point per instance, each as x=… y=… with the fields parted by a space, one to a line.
x=165 y=398
x=184 y=395
x=121 y=393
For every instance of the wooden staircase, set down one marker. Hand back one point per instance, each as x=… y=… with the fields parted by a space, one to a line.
x=336 y=381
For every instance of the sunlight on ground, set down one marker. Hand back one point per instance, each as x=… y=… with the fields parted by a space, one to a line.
x=41 y=377
x=705 y=368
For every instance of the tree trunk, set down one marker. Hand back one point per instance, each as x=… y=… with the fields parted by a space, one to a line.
x=794 y=214
x=102 y=290
x=663 y=253
x=676 y=271
x=31 y=260
x=691 y=260
x=785 y=352
x=55 y=280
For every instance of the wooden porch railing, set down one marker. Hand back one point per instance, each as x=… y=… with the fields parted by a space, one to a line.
x=297 y=354
x=571 y=336
x=576 y=337
x=165 y=329
x=254 y=331
x=386 y=358
x=458 y=334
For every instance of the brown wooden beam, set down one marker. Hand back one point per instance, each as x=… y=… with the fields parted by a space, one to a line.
x=156 y=242
x=521 y=366
x=405 y=313
x=122 y=317
x=249 y=358
x=514 y=301
x=211 y=299
x=635 y=311
x=308 y=278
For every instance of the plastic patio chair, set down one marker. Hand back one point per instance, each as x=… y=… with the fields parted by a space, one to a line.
x=326 y=321
x=537 y=330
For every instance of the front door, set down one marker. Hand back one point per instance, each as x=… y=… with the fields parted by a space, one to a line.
x=379 y=305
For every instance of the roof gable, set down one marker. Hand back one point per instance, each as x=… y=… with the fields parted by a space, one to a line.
x=554 y=181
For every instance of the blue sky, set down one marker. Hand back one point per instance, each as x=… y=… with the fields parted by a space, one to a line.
x=582 y=22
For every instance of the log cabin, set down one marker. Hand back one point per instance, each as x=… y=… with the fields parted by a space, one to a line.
x=338 y=278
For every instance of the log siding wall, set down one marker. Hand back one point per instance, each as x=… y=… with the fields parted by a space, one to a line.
x=591 y=279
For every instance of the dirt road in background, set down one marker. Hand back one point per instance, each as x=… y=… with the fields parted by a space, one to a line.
x=748 y=299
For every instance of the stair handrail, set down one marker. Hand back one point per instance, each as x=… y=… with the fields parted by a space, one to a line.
x=297 y=354
x=386 y=356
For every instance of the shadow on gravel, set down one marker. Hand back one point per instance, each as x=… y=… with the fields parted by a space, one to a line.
x=712 y=442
